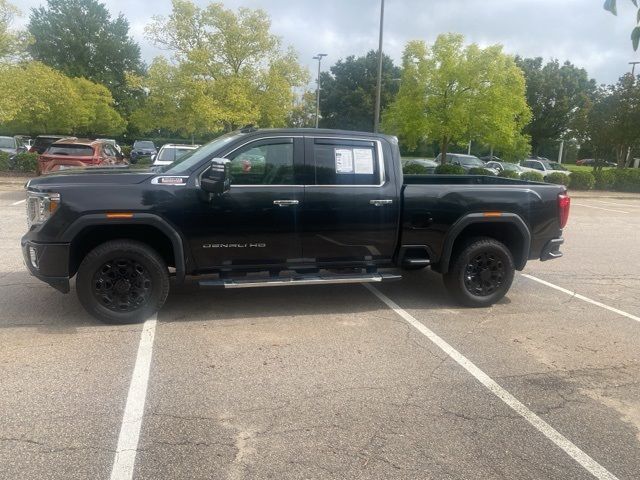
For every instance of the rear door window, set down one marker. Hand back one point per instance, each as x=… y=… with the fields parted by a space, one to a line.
x=345 y=163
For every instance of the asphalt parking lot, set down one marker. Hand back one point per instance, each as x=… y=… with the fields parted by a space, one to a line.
x=334 y=381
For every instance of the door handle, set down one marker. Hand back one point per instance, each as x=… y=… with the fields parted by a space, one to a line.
x=286 y=203
x=380 y=203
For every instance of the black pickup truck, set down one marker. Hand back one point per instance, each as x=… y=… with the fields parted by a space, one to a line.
x=260 y=208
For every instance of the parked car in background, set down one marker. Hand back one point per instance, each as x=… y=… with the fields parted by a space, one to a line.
x=591 y=162
x=78 y=153
x=502 y=166
x=490 y=158
x=428 y=165
x=545 y=167
x=171 y=152
x=142 y=148
x=465 y=161
x=11 y=146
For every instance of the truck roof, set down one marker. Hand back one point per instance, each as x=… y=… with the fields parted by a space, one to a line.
x=317 y=131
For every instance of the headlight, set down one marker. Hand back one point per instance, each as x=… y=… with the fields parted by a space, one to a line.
x=40 y=207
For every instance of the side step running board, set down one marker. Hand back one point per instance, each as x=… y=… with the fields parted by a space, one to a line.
x=299 y=280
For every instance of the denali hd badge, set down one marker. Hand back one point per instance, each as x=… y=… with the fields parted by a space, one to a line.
x=234 y=245
x=170 y=180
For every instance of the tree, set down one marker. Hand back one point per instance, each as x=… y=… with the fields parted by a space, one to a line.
x=452 y=93
x=13 y=43
x=559 y=97
x=611 y=5
x=80 y=39
x=46 y=101
x=349 y=91
x=228 y=70
x=303 y=114
x=613 y=121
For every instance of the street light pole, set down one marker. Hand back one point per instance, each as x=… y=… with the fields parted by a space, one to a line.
x=376 y=118
x=319 y=58
x=633 y=68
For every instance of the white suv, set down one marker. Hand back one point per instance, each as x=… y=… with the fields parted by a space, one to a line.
x=171 y=152
x=544 y=167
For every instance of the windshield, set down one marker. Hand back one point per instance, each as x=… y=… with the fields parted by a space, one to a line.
x=7 y=142
x=471 y=162
x=170 y=154
x=194 y=157
x=557 y=166
x=144 y=145
x=511 y=167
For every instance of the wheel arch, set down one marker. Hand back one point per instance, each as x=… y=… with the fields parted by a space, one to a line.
x=89 y=231
x=508 y=228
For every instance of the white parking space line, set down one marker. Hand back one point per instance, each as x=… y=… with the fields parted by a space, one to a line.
x=618 y=204
x=598 y=208
x=19 y=202
x=134 y=409
x=582 y=297
x=543 y=427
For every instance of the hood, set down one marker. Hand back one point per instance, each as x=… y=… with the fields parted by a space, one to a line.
x=93 y=176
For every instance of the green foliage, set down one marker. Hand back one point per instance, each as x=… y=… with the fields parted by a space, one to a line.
x=26 y=162
x=508 y=174
x=43 y=100
x=13 y=43
x=449 y=169
x=414 y=169
x=557 y=178
x=126 y=150
x=605 y=179
x=582 y=181
x=611 y=6
x=627 y=180
x=451 y=93
x=532 y=177
x=479 y=171
x=349 y=91
x=5 y=163
x=559 y=96
x=80 y=39
x=228 y=70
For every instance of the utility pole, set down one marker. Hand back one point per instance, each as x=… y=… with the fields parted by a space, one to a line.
x=561 y=151
x=319 y=58
x=376 y=118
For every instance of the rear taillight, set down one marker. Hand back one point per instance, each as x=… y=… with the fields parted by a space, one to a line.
x=564 y=202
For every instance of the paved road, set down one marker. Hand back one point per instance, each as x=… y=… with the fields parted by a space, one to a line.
x=330 y=382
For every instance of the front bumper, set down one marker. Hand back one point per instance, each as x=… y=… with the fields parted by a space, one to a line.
x=48 y=262
x=551 y=250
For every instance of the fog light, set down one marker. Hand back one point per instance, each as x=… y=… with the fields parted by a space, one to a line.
x=33 y=257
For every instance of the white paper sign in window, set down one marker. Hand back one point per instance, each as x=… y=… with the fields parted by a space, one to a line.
x=363 y=161
x=344 y=160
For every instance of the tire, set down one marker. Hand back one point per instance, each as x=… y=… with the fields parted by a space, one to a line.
x=481 y=273
x=122 y=281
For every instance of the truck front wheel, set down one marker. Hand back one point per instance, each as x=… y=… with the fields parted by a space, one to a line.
x=481 y=273
x=122 y=281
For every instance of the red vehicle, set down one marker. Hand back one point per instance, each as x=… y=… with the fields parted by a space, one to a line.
x=79 y=153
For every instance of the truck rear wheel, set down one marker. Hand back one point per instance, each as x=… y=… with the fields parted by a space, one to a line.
x=481 y=273
x=122 y=281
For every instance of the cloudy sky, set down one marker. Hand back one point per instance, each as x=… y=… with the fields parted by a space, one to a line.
x=576 y=30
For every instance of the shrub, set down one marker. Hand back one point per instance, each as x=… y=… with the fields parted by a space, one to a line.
x=509 y=174
x=582 y=180
x=479 y=171
x=126 y=150
x=557 y=178
x=448 y=169
x=27 y=162
x=605 y=179
x=532 y=177
x=5 y=162
x=414 y=169
x=627 y=180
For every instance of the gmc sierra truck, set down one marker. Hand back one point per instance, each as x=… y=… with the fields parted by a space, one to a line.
x=257 y=208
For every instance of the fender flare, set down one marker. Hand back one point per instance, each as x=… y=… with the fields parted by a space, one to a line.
x=138 y=219
x=472 y=218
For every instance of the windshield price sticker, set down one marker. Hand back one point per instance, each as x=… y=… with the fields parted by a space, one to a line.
x=363 y=161
x=344 y=160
